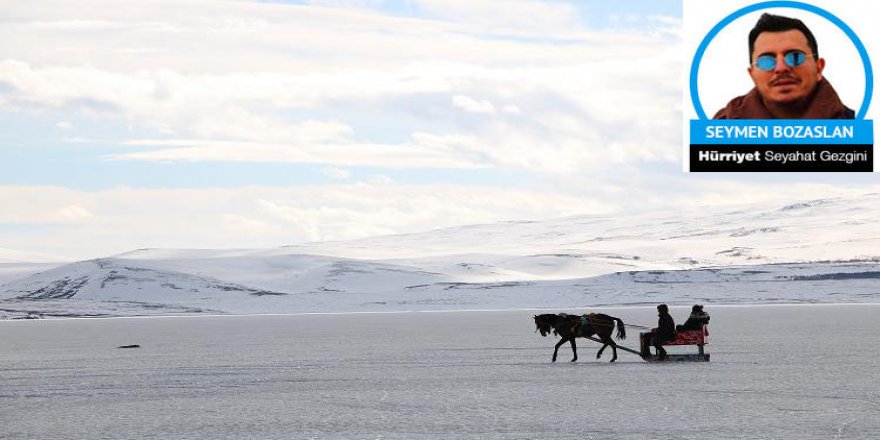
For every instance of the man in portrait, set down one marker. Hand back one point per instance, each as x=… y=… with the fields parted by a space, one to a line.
x=786 y=69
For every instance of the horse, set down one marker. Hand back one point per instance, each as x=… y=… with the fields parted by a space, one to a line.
x=570 y=327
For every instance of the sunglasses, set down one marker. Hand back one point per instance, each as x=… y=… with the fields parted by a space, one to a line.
x=793 y=58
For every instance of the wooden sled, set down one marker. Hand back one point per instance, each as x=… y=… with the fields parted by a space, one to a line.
x=698 y=337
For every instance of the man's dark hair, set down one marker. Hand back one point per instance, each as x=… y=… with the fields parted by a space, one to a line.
x=778 y=23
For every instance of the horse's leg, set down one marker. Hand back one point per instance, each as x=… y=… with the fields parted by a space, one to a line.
x=605 y=344
x=556 y=349
x=608 y=341
x=574 y=350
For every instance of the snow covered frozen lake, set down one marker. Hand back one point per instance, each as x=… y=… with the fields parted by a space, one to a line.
x=777 y=372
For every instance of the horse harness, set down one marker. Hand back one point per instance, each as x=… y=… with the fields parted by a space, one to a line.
x=579 y=325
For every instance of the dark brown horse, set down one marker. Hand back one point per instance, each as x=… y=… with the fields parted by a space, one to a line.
x=569 y=327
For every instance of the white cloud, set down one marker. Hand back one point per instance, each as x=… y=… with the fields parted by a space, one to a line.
x=337 y=173
x=380 y=179
x=347 y=153
x=347 y=3
x=520 y=17
x=122 y=219
x=72 y=214
x=512 y=109
x=472 y=105
x=252 y=228
x=382 y=207
x=40 y=205
x=64 y=125
x=236 y=81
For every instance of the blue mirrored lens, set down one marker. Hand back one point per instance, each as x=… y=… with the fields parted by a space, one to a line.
x=795 y=58
x=766 y=62
x=792 y=58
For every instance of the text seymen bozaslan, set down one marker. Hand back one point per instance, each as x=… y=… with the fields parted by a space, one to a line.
x=779 y=132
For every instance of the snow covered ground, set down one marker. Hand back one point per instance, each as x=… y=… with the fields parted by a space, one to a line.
x=811 y=251
x=778 y=372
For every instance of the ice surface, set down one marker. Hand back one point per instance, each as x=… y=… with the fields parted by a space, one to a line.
x=777 y=372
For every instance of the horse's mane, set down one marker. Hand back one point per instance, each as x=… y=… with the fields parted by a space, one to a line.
x=554 y=321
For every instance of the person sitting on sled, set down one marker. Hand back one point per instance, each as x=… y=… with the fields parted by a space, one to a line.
x=664 y=332
x=696 y=321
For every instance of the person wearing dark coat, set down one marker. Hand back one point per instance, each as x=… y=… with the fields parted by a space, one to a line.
x=696 y=321
x=664 y=332
x=788 y=76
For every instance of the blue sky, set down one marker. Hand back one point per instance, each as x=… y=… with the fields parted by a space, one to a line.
x=220 y=124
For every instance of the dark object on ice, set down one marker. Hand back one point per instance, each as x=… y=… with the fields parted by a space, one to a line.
x=569 y=327
x=696 y=321
x=129 y=346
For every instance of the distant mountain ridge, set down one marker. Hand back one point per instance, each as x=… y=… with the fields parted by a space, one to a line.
x=572 y=261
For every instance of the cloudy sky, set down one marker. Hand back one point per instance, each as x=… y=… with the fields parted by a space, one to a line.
x=243 y=124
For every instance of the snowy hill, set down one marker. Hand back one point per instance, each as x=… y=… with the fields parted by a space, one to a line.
x=817 y=251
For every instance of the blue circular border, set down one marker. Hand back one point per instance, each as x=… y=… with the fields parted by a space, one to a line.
x=698 y=56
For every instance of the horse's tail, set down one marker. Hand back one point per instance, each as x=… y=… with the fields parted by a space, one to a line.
x=621 y=330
